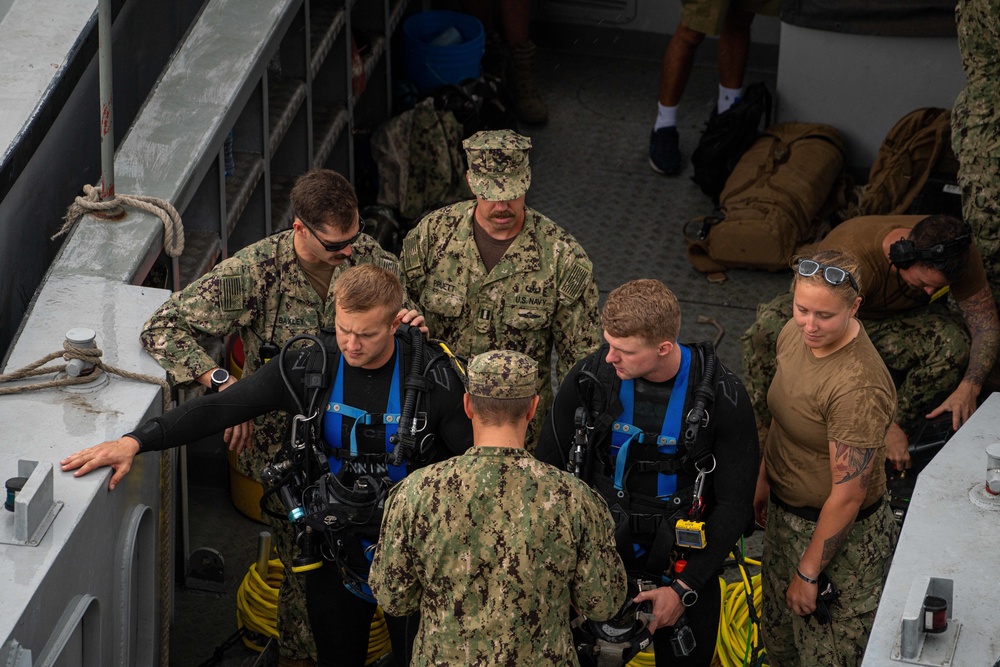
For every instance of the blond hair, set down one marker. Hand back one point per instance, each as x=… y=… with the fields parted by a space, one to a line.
x=366 y=287
x=645 y=308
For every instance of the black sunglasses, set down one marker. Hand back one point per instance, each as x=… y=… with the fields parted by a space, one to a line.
x=831 y=274
x=339 y=245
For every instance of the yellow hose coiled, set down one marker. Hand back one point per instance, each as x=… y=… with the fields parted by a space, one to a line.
x=644 y=658
x=378 y=638
x=737 y=635
x=257 y=611
x=257 y=605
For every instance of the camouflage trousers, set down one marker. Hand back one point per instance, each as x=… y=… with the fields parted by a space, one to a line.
x=858 y=571
x=925 y=349
x=979 y=178
x=295 y=636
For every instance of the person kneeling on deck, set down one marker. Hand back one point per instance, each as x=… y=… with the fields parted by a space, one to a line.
x=667 y=437
x=494 y=546
x=368 y=405
x=939 y=357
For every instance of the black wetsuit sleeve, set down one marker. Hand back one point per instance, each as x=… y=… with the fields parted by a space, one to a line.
x=447 y=419
x=732 y=484
x=257 y=394
x=556 y=438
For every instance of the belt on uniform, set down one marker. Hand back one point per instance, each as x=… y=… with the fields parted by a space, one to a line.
x=812 y=513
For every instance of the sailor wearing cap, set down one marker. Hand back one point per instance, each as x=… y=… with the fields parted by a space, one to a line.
x=493 y=546
x=494 y=274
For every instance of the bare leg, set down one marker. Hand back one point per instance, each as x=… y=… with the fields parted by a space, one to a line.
x=516 y=17
x=677 y=62
x=734 y=48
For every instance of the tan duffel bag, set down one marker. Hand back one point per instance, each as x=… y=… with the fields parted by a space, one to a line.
x=773 y=202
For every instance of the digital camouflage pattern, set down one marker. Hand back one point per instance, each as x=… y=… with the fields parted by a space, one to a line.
x=498 y=164
x=262 y=294
x=858 y=571
x=420 y=162
x=540 y=297
x=292 y=622
x=502 y=374
x=492 y=547
x=975 y=128
x=928 y=347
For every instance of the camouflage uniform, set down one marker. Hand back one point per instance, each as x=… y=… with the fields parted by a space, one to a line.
x=976 y=128
x=928 y=347
x=539 y=298
x=262 y=294
x=493 y=546
x=796 y=641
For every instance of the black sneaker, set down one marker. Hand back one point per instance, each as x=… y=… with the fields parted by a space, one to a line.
x=665 y=151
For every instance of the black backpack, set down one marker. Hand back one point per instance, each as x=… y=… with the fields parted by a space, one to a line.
x=478 y=104
x=727 y=136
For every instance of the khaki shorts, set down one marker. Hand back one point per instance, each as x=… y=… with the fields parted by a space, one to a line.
x=709 y=16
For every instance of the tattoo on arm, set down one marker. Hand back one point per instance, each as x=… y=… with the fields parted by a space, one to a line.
x=979 y=312
x=854 y=462
x=832 y=544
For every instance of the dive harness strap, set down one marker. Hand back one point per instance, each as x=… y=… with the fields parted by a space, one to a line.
x=336 y=410
x=635 y=527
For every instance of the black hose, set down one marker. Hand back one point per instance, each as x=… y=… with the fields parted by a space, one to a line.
x=702 y=394
x=406 y=432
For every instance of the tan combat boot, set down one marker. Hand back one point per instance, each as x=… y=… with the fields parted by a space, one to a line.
x=531 y=108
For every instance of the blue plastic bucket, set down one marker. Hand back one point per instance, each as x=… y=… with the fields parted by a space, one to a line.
x=442 y=47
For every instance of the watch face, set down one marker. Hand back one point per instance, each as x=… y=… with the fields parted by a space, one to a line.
x=688 y=596
x=220 y=376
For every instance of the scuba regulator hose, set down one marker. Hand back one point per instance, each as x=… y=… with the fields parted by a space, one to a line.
x=404 y=437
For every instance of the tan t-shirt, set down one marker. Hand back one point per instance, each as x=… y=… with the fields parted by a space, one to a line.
x=885 y=293
x=847 y=396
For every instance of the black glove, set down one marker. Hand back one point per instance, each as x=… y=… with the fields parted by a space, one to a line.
x=826 y=596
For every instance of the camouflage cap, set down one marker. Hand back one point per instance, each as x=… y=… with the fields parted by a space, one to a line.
x=498 y=164
x=502 y=374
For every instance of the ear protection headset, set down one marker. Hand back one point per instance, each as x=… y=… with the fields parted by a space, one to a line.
x=904 y=254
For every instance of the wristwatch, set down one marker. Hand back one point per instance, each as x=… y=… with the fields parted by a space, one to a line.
x=688 y=596
x=219 y=377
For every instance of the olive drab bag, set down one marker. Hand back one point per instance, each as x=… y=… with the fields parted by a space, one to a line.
x=917 y=146
x=775 y=200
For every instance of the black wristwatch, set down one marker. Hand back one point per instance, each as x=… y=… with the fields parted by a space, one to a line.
x=219 y=377
x=688 y=596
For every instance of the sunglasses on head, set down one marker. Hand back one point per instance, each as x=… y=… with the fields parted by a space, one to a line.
x=834 y=275
x=339 y=245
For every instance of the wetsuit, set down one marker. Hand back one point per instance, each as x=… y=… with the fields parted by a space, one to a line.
x=340 y=620
x=728 y=492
